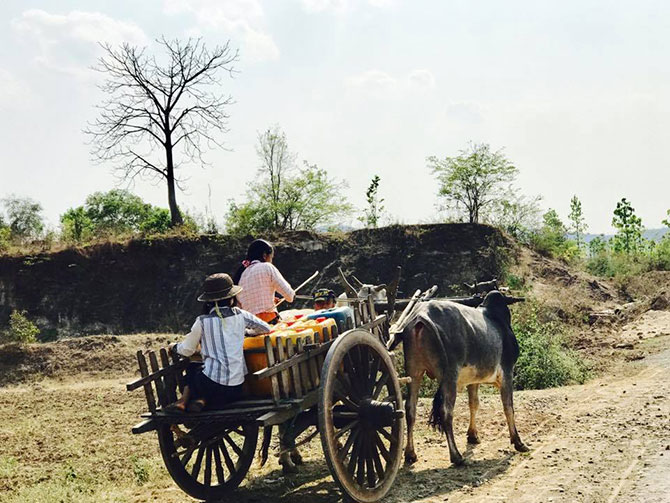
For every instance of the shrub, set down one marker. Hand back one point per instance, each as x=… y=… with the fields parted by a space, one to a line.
x=544 y=360
x=5 y=238
x=21 y=329
x=140 y=470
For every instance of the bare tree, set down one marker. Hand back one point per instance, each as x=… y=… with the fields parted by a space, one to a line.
x=278 y=163
x=156 y=108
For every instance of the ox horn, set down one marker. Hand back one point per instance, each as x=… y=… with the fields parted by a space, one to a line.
x=379 y=288
x=360 y=283
x=350 y=290
x=514 y=300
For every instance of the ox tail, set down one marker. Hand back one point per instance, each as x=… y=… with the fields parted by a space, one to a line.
x=265 y=446
x=435 y=419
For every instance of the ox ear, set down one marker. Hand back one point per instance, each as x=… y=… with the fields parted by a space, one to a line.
x=471 y=287
x=357 y=281
x=350 y=290
x=514 y=300
x=379 y=288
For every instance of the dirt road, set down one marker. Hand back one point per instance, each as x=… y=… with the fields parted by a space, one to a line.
x=604 y=442
x=607 y=441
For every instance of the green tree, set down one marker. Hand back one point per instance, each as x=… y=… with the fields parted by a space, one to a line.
x=373 y=212
x=666 y=222
x=597 y=246
x=24 y=218
x=113 y=213
x=161 y=113
x=284 y=196
x=516 y=214
x=551 y=239
x=628 y=238
x=473 y=180
x=578 y=225
x=21 y=329
x=76 y=225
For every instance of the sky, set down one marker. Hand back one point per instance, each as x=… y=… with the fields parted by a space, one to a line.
x=576 y=92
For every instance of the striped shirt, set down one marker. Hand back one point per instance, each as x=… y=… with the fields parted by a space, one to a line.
x=222 y=343
x=260 y=281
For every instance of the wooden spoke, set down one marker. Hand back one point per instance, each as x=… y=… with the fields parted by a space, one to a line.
x=208 y=466
x=372 y=476
x=345 y=429
x=202 y=483
x=380 y=384
x=375 y=457
x=354 y=383
x=373 y=374
x=382 y=448
x=360 y=469
x=220 y=476
x=345 y=450
x=356 y=369
x=187 y=456
x=195 y=471
x=386 y=434
x=344 y=383
x=354 y=456
x=235 y=447
x=226 y=457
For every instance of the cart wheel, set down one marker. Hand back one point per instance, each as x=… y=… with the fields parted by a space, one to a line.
x=361 y=416
x=214 y=463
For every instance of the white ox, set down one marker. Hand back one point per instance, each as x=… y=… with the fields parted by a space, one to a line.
x=378 y=292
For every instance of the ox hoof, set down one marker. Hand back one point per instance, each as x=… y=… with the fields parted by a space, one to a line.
x=296 y=457
x=521 y=447
x=473 y=438
x=410 y=459
x=288 y=469
x=458 y=461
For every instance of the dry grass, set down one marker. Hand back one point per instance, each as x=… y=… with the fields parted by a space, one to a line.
x=70 y=441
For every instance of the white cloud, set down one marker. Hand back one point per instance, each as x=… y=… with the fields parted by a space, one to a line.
x=421 y=79
x=383 y=85
x=465 y=112
x=341 y=6
x=241 y=20
x=13 y=93
x=68 y=42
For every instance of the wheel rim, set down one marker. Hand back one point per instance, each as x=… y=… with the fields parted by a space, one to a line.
x=215 y=463
x=361 y=432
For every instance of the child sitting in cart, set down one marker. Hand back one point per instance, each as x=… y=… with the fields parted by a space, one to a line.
x=220 y=335
x=324 y=299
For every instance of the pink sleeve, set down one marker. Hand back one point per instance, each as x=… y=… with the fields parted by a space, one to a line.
x=281 y=285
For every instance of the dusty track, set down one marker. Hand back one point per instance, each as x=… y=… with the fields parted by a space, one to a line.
x=607 y=441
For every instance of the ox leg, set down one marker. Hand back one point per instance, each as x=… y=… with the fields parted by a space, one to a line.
x=410 y=411
x=448 y=398
x=506 y=390
x=287 y=464
x=473 y=402
x=296 y=457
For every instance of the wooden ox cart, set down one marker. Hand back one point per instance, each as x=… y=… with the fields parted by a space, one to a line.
x=344 y=383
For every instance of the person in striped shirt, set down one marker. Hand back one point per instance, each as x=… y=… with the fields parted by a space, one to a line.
x=220 y=335
x=260 y=280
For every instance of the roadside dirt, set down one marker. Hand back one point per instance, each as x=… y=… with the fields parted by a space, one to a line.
x=605 y=441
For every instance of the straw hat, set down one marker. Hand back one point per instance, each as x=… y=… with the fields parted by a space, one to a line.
x=218 y=286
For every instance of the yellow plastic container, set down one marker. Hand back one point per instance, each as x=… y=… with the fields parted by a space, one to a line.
x=319 y=326
x=256 y=359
